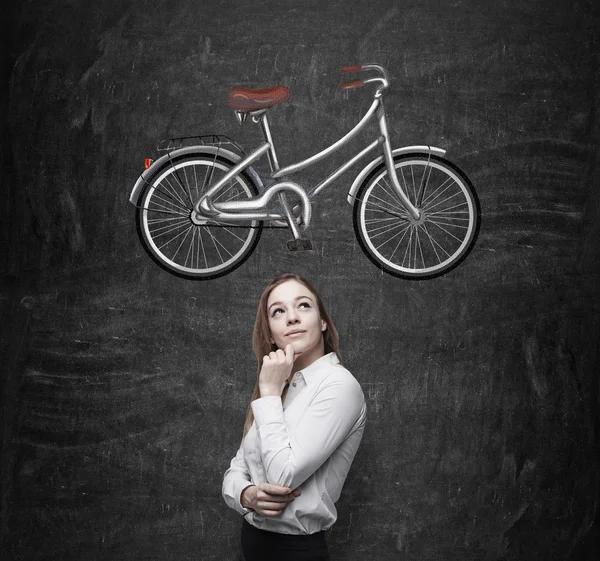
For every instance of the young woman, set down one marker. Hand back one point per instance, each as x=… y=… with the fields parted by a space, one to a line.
x=303 y=428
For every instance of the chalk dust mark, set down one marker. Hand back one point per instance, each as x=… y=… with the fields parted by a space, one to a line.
x=376 y=30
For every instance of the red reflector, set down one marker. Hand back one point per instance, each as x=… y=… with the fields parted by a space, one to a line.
x=148 y=162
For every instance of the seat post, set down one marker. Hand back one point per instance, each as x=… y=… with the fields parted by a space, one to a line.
x=264 y=125
x=297 y=242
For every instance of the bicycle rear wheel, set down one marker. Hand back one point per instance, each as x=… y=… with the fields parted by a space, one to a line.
x=165 y=227
x=435 y=243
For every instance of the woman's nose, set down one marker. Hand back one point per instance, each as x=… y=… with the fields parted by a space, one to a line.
x=292 y=316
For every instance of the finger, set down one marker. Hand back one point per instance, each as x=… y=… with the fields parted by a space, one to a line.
x=269 y=512
x=266 y=497
x=262 y=495
x=272 y=355
x=289 y=353
x=268 y=505
x=273 y=489
x=281 y=499
x=296 y=492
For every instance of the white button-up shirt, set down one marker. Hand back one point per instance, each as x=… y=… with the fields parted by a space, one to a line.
x=309 y=443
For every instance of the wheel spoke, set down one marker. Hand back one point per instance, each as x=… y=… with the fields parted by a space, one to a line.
x=230 y=232
x=386 y=229
x=398 y=209
x=234 y=196
x=398 y=244
x=438 y=203
x=393 y=195
x=190 y=249
x=168 y=242
x=167 y=202
x=173 y=199
x=203 y=250
x=407 y=250
x=420 y=195
x=174 y=191
x=210 y=170
x=432 y=244
x=446 y=199
x=433 y=241
x=185 y=187
x=449 y=233
x=449 y=224
x=451 y=215
x=371 y=220
x=164 y=209
x=420 y=248
x=164 y=230
x=447 y=209
x=155 y=210
x=195 y=183
x=161 y=220
x=183 y=240
x=222 y=193
x=436 y=193
x=412 y=176
x=215 y=242
x=406 y=187
x=403 y=232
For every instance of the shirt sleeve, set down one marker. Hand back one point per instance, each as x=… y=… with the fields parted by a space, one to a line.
x=337 y=409
x=235 y=480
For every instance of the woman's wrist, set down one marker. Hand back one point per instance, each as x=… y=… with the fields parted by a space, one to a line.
x=246 y=496
x=269 y=391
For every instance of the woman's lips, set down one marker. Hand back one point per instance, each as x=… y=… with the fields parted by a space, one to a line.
x=295 y=333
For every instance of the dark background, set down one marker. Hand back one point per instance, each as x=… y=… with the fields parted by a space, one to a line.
x=124 y=388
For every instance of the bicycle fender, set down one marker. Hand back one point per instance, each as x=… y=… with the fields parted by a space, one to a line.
x=417 y=149
x=213 y=150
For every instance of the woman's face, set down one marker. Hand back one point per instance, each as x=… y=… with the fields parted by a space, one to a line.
x=294 y=318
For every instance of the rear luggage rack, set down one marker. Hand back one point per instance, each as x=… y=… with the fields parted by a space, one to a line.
x=170 y=144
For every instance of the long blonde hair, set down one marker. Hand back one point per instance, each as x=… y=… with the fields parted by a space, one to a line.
x=261 y=336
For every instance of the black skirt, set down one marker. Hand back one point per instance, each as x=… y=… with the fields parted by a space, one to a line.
x=260 y=545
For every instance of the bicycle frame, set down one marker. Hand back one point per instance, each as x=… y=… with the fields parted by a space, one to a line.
x=255 y=209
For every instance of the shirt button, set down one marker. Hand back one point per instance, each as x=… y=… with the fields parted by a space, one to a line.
x=294 y=384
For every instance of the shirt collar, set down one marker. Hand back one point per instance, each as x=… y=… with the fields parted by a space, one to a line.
x=314 y=370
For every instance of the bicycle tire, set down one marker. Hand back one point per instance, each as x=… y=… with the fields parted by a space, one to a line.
x=165 y=228
x=417 y=249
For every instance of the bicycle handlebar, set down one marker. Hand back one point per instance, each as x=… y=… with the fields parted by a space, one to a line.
x=382 y=78
x=353 y=84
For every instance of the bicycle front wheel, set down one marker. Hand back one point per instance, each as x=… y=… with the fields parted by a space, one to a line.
x=420 y=248
x=186 y=249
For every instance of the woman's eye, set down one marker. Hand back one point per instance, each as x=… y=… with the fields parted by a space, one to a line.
x=304 y=305
x=276 y=312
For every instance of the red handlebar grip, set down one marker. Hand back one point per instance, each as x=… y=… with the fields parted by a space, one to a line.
x=347 y=69
x=353 y=84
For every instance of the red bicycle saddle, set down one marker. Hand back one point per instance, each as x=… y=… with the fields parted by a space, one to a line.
x=251 y=99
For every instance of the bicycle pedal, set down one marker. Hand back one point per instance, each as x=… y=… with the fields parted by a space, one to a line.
x=299 y=245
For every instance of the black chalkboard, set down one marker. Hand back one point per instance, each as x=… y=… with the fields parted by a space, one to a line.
x=124 y=388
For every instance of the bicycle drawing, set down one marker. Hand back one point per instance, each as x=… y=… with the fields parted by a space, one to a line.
x=201 y=206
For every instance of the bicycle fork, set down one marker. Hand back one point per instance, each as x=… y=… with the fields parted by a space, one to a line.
x=389 y=162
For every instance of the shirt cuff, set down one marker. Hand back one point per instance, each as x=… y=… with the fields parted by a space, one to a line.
x=238 y=489
x=267 y=410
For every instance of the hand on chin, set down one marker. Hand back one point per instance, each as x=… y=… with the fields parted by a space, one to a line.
x=297 y=349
